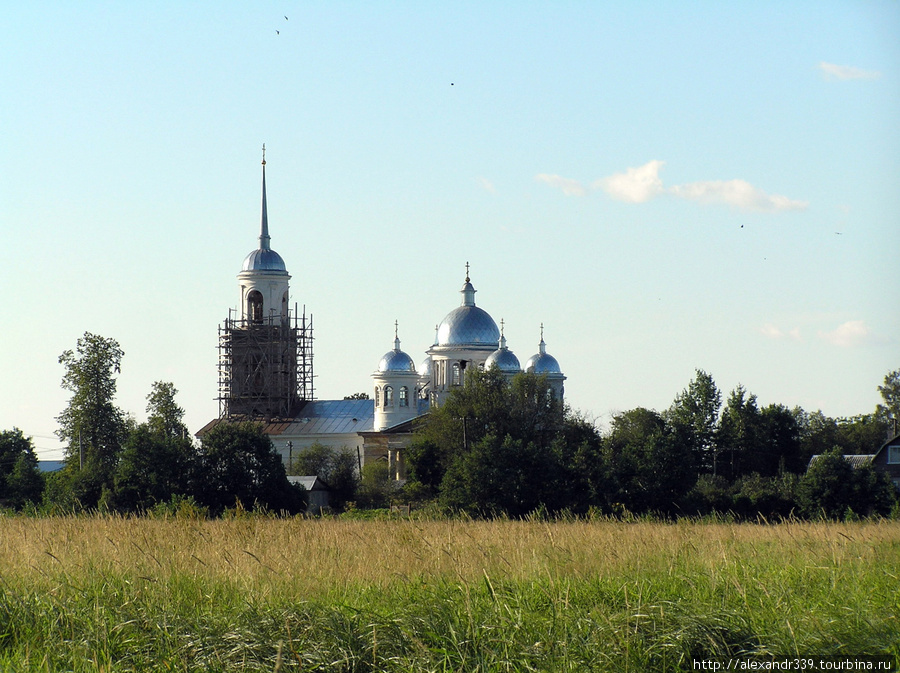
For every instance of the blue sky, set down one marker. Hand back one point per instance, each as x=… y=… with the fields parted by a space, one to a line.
x=665 y=186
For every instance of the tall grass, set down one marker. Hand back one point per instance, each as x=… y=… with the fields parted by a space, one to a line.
x=259 y=594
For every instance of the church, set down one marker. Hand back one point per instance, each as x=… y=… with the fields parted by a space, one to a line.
x=266 y=368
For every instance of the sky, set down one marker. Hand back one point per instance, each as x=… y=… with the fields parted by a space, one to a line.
x=665 y=186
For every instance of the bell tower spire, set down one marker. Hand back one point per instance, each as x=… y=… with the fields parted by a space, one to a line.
x=264 y=225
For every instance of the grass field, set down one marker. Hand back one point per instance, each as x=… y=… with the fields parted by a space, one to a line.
x=260 y=594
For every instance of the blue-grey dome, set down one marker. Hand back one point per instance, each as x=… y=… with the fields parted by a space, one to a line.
x=505 y=360
x=542 y=363
x=468 y=326
x=425 y=368
x=396 y=361
x=264 y=259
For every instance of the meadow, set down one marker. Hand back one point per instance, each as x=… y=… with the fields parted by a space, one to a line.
x=252 y=593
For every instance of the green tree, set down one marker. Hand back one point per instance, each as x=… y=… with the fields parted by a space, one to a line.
x=694 y=415
x=497 y=446
x=357 y=396
x=165 y=417
x=21 y=480
x=650 y=463
x=738 y=435
x=239 y=464
x=92 y=426
x=832 y=488
x=890 y=394
x=375 y=486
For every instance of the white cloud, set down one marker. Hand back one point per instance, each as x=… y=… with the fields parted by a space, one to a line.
x=852 y=333
x=642 y=183
x=568 y=186
x=635 y=185
x=739 y=193
x=487 y=185
x=843 y=72
x=774 y=332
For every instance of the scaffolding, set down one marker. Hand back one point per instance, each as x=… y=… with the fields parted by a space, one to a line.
x=265 y=366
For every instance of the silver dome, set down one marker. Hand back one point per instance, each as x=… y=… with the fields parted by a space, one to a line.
x=468 y=326
x=542 y=363
x=264 y=259
x=425 y=368
x=396 y=361
x=505 y=360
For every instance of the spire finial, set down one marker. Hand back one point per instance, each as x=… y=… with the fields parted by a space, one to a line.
x=542 y=347
x=264 y=225
x=396 y=337
x=502 y=323
x=467 y=272
x=502 y=336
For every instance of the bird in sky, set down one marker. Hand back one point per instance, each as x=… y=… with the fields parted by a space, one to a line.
x=277 y=32
x=285 y=18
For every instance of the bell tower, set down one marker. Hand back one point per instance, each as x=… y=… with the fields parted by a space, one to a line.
x=265 y=348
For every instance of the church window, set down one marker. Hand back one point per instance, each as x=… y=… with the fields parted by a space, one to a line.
x=456 y=374
x=377 y=396
x=388 y=396
x=404 y=396
x=255 y=306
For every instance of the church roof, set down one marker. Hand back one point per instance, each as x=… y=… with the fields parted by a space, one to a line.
x=318 y=417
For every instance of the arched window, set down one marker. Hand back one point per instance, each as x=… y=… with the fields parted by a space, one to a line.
x=404 y=396
x=255 y=306
x=388 y=396
x=377 y=396
x=456 y=374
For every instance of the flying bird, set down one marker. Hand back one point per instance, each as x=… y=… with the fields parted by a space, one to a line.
x=277 y=32
x=285 y=18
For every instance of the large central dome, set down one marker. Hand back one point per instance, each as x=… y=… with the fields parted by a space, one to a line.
x=468 y=325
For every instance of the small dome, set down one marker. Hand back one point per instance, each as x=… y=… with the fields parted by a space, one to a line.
x=425 y=368
x=264 y=259
x=396 y=361
x=505 y=360
x=542 y=363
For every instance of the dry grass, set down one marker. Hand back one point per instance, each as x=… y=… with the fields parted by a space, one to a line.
x=407 y=595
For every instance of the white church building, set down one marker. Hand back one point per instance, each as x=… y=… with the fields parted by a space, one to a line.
x=266 y=368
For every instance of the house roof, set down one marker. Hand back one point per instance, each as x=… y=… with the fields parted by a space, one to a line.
x=855 y=460
x=310 y=483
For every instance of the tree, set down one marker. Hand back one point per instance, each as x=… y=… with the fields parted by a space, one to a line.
x=92 y=425
x=357 y=396
x=21 y=480
x=695 y=415
x=338 y=469
x=498 y=446
x=240 y=465
x=832 y=487
x=738 y=436
x=164 y=417
x=650 y=463
x=890 y=393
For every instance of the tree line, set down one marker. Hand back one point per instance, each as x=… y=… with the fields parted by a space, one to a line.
x=495 y=446
x=500 y=446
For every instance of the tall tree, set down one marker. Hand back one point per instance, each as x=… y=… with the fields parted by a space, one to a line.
x=92 y=426
x=695 y=415
x=738 y=434
x=164 y=416
x=158 y=459
x=890 y=394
